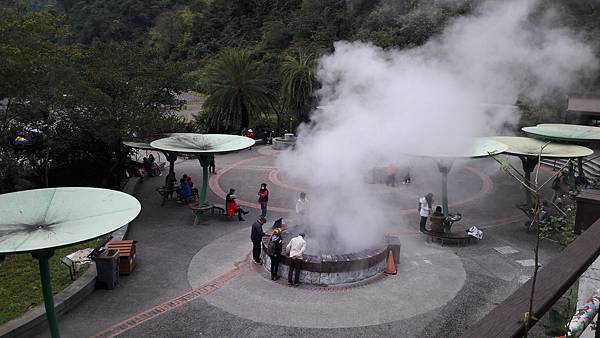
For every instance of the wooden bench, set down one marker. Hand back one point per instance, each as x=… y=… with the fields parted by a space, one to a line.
x=449 y=237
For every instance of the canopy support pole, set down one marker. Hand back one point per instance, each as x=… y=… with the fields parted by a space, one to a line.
x=444 y=167
x=204 y=161
x=529 y=164
x=42 y=257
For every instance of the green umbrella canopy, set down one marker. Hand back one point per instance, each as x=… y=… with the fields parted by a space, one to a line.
x=203 y=143
x=479 y=147
x=564 y=132
x=56 y=217
x=144 y=142
x=525 y=146
x=138 y=145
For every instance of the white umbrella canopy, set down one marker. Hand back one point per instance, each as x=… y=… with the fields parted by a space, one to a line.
x=50 y=218
x=565 y=132
x=526 y=146
x=203 y=143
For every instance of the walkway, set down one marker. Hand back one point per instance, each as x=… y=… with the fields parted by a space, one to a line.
x=197 y=280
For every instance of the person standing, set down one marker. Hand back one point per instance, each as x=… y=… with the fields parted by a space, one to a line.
x=424 y=210
x=301 y=206
x=256 y=235
x=249 y=134
x=263 y=199
x=295 y=249
x=274 y=251
x=212 y=168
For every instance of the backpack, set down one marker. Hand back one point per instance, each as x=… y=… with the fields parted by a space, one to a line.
x=271 y=248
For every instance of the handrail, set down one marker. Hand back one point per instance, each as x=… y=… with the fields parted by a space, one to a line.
x=553 y=281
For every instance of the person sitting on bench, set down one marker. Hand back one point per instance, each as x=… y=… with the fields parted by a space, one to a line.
x=232 y=207
x=184 y=190
x=437 y=220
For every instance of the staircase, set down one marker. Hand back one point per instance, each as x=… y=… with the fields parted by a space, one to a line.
x=591 y=165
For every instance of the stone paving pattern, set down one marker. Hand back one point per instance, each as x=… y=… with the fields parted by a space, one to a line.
x=175 y=256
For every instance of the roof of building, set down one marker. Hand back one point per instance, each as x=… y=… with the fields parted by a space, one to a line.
x=584 y=104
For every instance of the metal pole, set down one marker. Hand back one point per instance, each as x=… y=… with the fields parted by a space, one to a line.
x=527 y=191
x=42 y=257
x=529 y=164
x=445 y=193
x=204 y=160
x=572 y=185
x=444 y=168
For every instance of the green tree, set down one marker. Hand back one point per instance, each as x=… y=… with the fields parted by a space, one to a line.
x=299 y=83
x=237 y=89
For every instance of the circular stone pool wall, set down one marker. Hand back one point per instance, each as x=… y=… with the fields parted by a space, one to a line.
x=330 y=269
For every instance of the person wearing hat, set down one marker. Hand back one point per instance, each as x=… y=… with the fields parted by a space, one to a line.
x=232 y=207
x=256 y=235
x=274 y=251
x=295 y=249
x=250 y=134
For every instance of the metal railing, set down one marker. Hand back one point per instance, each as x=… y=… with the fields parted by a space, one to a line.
x=553 y=280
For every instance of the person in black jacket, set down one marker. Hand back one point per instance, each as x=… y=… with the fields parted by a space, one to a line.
x=274 y=252
x=256 y=236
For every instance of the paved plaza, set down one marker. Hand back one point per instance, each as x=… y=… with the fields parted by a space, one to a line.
x=199 y=280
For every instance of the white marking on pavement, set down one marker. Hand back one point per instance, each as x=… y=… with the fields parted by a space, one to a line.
x=506 y=250
x=526 y=262
x=523 y=279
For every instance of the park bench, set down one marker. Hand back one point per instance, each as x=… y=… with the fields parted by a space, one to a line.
x=213 y=208
x=75 y=260
x=167 y=194
x=447 y=237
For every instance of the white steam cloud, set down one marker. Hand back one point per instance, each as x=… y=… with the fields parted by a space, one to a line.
x=382 y=104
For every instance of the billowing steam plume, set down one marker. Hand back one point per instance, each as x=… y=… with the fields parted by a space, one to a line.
x=379 y=105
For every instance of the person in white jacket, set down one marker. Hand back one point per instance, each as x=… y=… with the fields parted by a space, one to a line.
x=295 y=249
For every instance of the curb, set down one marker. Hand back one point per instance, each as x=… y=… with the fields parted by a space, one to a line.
x=35 y=319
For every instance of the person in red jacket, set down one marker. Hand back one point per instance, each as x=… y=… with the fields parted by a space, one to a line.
x=263 y=199
x=249 y=134
x=232 y=207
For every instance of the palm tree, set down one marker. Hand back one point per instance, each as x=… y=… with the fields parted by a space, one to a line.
x=236 y=89
x=298 y=84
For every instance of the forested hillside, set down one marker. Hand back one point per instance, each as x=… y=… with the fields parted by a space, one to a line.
x=107 y=69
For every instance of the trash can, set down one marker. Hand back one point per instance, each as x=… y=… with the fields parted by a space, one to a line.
x=107 y=268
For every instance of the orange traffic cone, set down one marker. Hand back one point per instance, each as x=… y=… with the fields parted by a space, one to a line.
x=390 y=269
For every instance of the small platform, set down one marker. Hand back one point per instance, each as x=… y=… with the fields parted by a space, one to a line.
x=213 y=208
x=447 y=237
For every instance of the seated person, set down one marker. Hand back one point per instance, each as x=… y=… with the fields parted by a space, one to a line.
x=147 y=166
x=184 y=189
x=232 y=207
x=437 y=220
x=191 y=184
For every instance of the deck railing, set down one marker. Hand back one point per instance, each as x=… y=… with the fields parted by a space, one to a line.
x=553 y=280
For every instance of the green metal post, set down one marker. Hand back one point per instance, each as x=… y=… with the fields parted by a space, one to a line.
x=204 y=160
x=444 y=168
x=42 y=257
x=527 y=191
x=572 y=184
x=529 y=163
